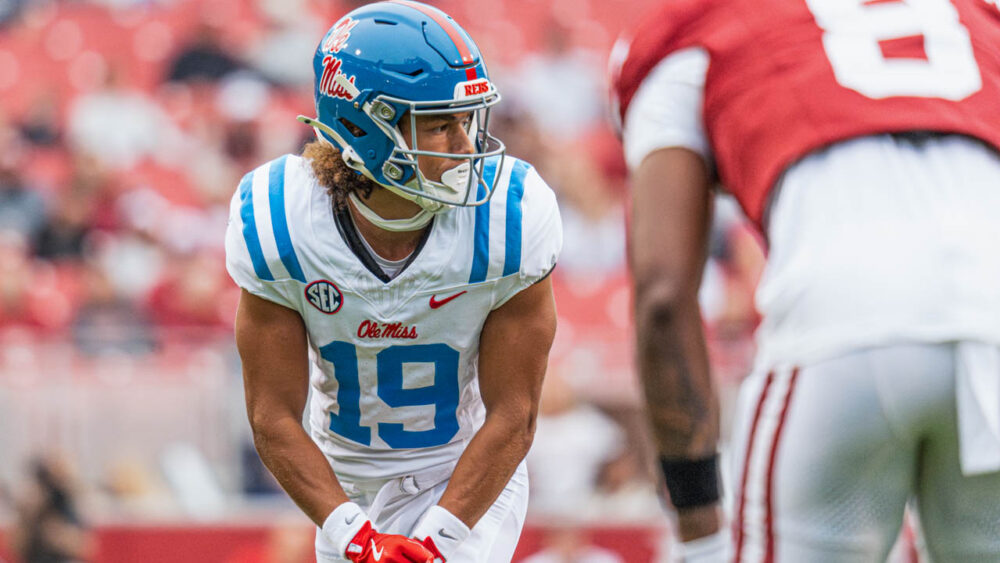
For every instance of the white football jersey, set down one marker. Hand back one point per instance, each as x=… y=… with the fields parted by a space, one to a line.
x=393 y=362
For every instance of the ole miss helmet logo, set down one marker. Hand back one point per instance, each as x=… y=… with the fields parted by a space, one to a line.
x=339 y=35
x=328 y=85
x=325 y=296
x=333 y=44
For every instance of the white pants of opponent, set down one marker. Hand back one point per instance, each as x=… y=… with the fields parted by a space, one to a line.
x=395 y=507
x=829 y=454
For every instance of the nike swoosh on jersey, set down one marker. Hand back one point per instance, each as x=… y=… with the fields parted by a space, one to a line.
x=376 y=553
x=435 y=303
x=444 y=534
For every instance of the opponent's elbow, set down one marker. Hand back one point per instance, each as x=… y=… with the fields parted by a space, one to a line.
x=659 y=303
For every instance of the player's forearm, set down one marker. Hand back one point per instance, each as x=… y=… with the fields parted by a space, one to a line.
x=299 y=466
x=681 y=402
x=674 y=369
x=487 y=464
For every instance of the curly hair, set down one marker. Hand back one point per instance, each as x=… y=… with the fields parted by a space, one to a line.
x=334 y=175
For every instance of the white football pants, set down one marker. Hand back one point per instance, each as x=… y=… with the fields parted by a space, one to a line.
x=827 y=455
x=395 y=507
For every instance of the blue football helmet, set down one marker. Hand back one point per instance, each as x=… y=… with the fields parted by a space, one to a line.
x=387 y=60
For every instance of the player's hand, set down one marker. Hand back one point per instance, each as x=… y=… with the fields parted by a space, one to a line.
x=428 y=542
x=369 y=546
x=350 y=532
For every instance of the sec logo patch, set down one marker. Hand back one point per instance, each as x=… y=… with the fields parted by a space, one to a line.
x=325 y=296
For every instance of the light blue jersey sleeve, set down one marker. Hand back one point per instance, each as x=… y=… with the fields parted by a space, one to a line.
x=260 y=255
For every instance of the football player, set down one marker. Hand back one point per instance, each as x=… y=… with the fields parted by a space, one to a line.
x=396 y=275
x=862 y=137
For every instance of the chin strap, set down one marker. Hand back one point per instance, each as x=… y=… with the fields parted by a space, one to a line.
x=417 y=222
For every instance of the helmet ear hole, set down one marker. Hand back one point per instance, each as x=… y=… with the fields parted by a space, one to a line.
x=352 y=128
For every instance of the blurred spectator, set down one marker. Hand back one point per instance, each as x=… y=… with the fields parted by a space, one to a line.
x=9 y=11
x=203 y=59
x=131 y=261
x=22 y=209
x=29 y=296
x=573 y=440
x=189 y=295
x=15 y=275
x=120 y=126
x=70 y=222
x=50 y=528
x=561 y=87
x=520 y=133
x=285 y=49
x=241 y=142
x=40 y=125
x=241 y=99
x=593 y=218
x=108 y=323
x=135 y=490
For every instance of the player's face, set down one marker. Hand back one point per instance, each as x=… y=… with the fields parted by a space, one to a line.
x=439 y=133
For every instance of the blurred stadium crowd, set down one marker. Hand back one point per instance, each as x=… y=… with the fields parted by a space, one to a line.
x=125 y=126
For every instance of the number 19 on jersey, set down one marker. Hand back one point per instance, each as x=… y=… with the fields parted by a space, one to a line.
x=443 y=393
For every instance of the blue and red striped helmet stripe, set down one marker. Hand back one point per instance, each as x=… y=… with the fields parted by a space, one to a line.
x=450 y=29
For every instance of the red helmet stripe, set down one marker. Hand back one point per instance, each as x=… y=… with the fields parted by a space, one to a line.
x=448 y=28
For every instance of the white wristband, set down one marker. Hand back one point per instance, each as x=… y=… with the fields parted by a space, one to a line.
x=708 y=549
x=444 y=528
x=343 y=524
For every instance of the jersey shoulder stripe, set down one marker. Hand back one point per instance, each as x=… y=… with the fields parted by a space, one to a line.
x=499 y=224
x=515 y=195
x=279 y=221
x=250 y=229
x=481 y=236
x=264 y=210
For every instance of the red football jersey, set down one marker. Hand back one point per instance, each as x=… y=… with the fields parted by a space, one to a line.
x=787 y=77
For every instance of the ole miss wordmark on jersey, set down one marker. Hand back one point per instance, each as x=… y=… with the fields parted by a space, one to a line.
x=787 y=77
x=393 y=362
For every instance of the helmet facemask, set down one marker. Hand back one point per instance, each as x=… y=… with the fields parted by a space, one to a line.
x=462 y=185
